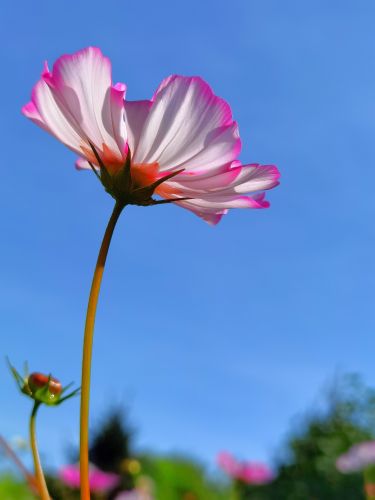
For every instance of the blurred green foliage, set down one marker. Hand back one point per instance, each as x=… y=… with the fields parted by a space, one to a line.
x=111 y=442
x=11 y=489
x=305 y=468
x=173 y=478
x=180 y=478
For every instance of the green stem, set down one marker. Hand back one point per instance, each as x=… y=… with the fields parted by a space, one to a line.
x=87 y=351
x=42 y=487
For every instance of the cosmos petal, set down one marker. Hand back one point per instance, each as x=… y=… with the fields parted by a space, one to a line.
x=239 y=179
x=136 y=113
x=187 y=127
x=77 y=103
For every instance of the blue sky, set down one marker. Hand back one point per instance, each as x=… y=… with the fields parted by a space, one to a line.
x=214 y=337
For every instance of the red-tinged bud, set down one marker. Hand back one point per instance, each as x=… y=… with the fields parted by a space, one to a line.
x=42 y=388
x=38 y=380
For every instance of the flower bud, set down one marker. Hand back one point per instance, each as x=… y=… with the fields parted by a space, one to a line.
x=42 y=388
x=39 y=380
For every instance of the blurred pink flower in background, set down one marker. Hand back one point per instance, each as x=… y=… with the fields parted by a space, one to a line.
x=228 y=463
x=144 y=487
x=247 y=472
x=184 y=131
x=100 y=481
x=357 y=458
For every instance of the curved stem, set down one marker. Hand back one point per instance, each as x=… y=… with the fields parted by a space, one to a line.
x=42 y=487
x=87 y=351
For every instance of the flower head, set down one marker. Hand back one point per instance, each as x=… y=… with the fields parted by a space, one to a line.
x=42 y=388
x=246 y=472
x=181 y=145
x=100 y=481
x=359 y=457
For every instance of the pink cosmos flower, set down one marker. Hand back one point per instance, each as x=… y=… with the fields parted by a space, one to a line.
x=228 y=463
x=246 y=472
x=255 y=473
x=99 y=481
x=357 y=458
x=182 y=144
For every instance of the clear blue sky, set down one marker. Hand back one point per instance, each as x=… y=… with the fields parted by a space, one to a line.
x=215 y=337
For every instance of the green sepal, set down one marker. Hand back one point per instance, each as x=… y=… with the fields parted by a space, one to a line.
x=68 y=396
x=121 y=187
x=21 y=381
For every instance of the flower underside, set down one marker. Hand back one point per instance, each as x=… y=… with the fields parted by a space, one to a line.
x=133 y=184
x=138 y=148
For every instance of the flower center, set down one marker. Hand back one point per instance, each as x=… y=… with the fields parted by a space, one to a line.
x=144 y=174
